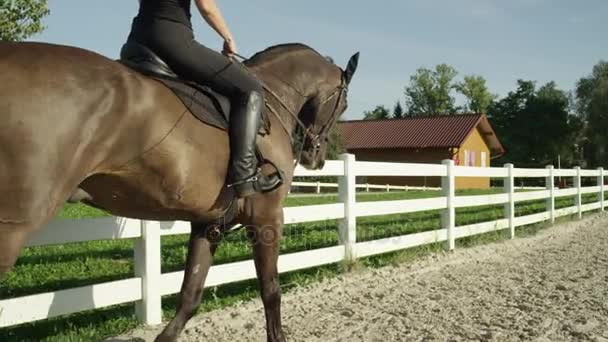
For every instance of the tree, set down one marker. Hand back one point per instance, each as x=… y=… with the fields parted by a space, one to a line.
x=478 y=96
x=398 y=111
x=429 y=91
x=592 y=104
x=535 y=126
x=380 y=112
x=20 y=19
x=335 y=145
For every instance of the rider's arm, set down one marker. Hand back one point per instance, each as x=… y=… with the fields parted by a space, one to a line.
x=212 y=15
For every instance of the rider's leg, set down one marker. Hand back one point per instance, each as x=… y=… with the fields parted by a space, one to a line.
x=245 y=119
x=176 y=45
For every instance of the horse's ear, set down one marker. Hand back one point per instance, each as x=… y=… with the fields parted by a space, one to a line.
x=351 y=68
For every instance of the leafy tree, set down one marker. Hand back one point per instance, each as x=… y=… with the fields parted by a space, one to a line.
x=398 y=111
x=336 y=144
x=380 y=112
x=535 y=126
x=429 y=91
x=20 y=19
x=592 y=97
x=478 y=96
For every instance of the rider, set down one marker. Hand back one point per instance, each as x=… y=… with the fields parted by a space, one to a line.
x=164 y=26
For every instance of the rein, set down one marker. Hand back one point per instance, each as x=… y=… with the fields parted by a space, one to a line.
x=307 y=131
x=315 y=138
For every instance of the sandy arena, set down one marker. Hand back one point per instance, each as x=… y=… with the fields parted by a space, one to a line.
x=550 y=287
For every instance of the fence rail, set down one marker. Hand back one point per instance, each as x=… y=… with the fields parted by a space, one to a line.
x=318 y=186
x=148 y=284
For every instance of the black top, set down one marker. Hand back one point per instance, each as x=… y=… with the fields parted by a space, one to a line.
x=176 y=10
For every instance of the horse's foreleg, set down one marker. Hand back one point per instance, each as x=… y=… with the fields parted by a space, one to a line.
x=265 y=239
x=201 y=248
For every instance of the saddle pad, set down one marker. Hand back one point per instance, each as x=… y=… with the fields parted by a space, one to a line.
x=206 y=105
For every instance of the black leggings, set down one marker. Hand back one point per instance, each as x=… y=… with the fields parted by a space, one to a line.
x=174 y=43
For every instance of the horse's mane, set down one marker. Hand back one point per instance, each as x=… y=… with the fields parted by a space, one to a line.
x=276 y=52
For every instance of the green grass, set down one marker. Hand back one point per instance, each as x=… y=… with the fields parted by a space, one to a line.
x=50 y=268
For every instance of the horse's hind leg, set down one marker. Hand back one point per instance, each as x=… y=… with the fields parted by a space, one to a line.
x=13 y=236
x=21 y=215
x=201 y=248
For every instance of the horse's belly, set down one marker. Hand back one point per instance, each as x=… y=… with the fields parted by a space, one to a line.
x=133 y=195
x=182 y=178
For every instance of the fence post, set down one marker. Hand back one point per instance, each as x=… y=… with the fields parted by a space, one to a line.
x=318 y=187
x=509 y=188
x=366 y=187
x=147 y=267
x=578 y=199
x=600 y=183
x=550 y=185
x=448 y=217
x=347 y=195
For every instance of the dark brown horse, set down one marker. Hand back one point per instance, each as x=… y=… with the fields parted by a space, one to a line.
x=72 y=121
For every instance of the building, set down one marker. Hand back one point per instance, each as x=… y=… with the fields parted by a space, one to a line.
x=468 y=139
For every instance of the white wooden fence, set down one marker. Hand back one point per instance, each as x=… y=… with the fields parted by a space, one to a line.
x=366 y=187
x=387 y=187
x=149 y=284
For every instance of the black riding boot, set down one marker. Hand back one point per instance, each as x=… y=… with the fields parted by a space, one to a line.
x=243 y=173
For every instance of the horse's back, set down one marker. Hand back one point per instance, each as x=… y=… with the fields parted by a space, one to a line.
x=66 y=113
x=73 y=118
x=83 y=100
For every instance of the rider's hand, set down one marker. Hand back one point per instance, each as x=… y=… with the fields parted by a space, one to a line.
x=229 y=48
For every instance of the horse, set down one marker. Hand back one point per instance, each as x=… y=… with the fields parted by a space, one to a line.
x=78 y=126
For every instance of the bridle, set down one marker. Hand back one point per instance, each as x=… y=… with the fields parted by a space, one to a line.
x=315 y=138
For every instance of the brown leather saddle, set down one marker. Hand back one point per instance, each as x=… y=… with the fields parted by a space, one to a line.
x=203 y=102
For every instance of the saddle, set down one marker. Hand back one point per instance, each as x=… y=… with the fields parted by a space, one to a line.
x=204 y=103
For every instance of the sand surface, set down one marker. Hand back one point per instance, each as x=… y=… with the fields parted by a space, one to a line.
x=549 y=287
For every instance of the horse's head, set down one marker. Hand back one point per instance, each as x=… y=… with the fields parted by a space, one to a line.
x=310 y=88
x=321 y=112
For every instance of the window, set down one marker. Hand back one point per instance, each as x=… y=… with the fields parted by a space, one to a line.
x=483 y=159
x=469 y=158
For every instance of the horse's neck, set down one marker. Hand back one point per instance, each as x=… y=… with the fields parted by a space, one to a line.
x=285 y=95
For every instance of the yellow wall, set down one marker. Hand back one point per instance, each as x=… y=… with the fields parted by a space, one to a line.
x=475 y=145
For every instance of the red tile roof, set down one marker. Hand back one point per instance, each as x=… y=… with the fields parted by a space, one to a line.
x=440 y=131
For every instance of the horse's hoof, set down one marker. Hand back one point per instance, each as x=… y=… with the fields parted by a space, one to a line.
x=165 y=338
x=279 y=338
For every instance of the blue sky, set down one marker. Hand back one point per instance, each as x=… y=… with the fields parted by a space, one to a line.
x=502 y=40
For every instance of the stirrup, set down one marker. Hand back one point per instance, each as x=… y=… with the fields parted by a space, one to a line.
x=258 y=183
